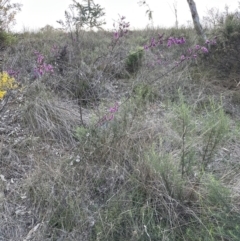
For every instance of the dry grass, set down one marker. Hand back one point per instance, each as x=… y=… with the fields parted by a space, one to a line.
x=49 y=117
x=165 y=168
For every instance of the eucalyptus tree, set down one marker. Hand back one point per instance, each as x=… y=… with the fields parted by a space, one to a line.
x=8 y=11
x=195 y=18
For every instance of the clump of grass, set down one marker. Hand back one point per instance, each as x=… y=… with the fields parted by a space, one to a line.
x=48 y=117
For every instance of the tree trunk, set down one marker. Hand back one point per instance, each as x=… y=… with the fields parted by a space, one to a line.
x=195 y=17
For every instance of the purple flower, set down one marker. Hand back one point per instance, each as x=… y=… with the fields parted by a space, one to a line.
x=42 y=67
x=41 y=71
x=178 y=41
x=146 y=47
x=114 y=109
x=183 y=40
x=169 y=43
x=51 y=68
x=13 y=73
x=197 y=47
x=40 y=59
x=48 y=68
x=204 y=49
x=213 y=42
x=116 y=35
x=153 y=43
x=38 y=72
x=121 y=28
x=182 y=57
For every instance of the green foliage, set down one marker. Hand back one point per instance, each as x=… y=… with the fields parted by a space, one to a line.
x=165 y=166
x=145 y=93
x=215 y=129
x=89 y=14
x=134 y=60
x=207 y=132
x=47 y=29
x=8 y=12
x=140 y=194
x=81 y=133
x=86 y=14
x=82 y=90
x=7 y=39
x=224 y=58
x=148 y=12
x=131 y=220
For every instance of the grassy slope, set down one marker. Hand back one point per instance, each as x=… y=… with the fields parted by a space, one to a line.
x=165 y=168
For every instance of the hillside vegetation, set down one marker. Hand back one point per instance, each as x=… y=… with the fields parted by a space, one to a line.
x=122 y=135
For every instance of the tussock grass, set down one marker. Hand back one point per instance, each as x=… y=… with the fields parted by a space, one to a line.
x=47 y=116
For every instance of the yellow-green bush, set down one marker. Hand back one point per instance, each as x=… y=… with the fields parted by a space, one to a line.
x=6 y=83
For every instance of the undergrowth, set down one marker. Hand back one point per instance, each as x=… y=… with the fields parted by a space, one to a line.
x=124 y=184
x=161 y=163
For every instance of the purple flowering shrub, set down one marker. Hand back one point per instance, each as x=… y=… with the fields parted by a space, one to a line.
x=224 y=61
x=134 y=60
x=112 y=62
x=13 y=73
x=109 y=116
x=120 y=28
x=169 y=60
x=42 y=67
x=170 y=42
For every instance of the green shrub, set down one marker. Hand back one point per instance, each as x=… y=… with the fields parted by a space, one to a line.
x=224 y=58
x=206 y=134
x=145 y=92
x=7 y=39
x=134 y=60
x=81 y=133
